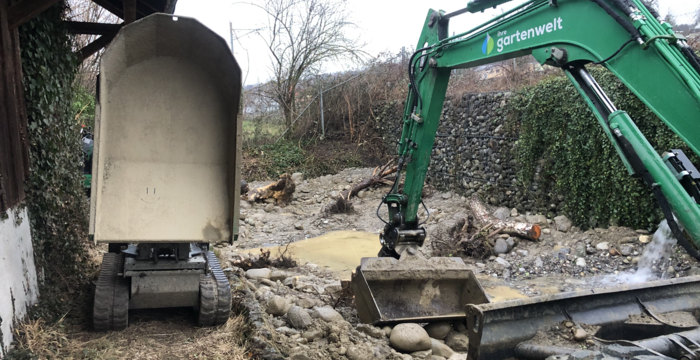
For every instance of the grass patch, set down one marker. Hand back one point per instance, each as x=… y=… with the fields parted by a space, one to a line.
x=167 y=337
x=256 y=131
x=269 y=161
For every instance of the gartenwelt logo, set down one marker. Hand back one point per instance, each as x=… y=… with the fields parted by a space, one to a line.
x=487 y=47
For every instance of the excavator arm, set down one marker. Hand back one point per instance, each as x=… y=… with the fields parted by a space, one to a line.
x=657 y=65
x=623 y=35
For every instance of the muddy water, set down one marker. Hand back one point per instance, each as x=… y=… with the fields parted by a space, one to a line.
x=338 y=251
x=341 y=251
x=503 y=293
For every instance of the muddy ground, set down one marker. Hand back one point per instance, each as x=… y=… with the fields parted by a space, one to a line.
x=305 y=310
x=328 y=247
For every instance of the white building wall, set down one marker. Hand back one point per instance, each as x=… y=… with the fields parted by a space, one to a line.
x=18 y=281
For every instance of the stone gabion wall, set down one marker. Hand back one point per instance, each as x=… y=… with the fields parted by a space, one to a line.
x=474 y=153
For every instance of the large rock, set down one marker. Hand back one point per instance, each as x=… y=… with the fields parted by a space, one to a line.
x=537 y=219
x=503 y=262
x=501 y=246
x=298 y=177
x=441 y=349
x=278 y=275
x=299 y=318
x=410 y=338
x=563 y=223
x=457 y=341
x=258 y=273
x=277 y=305
x=501 y=213
x=626 y=250
x=439 y=329
x=327 y=314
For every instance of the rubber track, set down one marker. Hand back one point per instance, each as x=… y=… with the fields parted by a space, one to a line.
x=104 y=293
x=208 y=300
x=111 y=308
x=223 y=287
x=120 y=309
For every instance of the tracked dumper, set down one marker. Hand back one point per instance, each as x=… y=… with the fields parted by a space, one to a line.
x=648 y=57
x=165 y=170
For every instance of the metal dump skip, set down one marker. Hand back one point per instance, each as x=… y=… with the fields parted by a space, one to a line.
x=167 y=140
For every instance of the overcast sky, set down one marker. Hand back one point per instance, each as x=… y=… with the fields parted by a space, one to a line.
x=385 y=25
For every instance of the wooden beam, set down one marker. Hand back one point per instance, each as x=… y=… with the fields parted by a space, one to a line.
x=129 y=11
x=93 y=47
x=24 y=10
x=119 y=12
x=77 y=27
x=14 y=155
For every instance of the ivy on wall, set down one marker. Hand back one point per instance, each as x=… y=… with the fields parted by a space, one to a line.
x=56 y=201
x=561 y=135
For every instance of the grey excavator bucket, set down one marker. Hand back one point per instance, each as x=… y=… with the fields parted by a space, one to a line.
x=414 y=289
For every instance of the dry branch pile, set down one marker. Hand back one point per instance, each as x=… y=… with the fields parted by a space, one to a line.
x=380 y=176
x=283 y=260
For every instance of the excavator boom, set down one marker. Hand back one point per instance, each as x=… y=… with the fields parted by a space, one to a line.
x=655 y=63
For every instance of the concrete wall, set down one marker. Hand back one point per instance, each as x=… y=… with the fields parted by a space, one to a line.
x=18 y=280
x=473 y=153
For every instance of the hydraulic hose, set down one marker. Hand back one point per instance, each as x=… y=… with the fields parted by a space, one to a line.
x=691 y=56
x=620 y=20
x=624 y=7
x=653 y=11
x=411 y=74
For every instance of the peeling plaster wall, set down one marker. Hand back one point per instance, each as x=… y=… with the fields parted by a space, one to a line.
x=18 y=281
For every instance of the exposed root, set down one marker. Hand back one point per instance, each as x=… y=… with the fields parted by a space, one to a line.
x=341 y=205
x=462 y=240
x=282 y=261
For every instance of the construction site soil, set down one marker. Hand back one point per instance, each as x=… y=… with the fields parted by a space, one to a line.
x=307 y=311
x=302 y=307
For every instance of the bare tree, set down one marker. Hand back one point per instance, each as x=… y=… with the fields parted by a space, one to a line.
x=302 y=35
x=88 y=11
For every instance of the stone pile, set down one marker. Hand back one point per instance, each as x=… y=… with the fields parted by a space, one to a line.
x=473 y=153
x=299 y=321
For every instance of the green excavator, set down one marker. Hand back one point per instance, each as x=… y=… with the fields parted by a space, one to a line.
x=654 y=62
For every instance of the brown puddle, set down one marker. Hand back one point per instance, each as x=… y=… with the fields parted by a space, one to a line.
x=338 y=251
x=503 y=293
